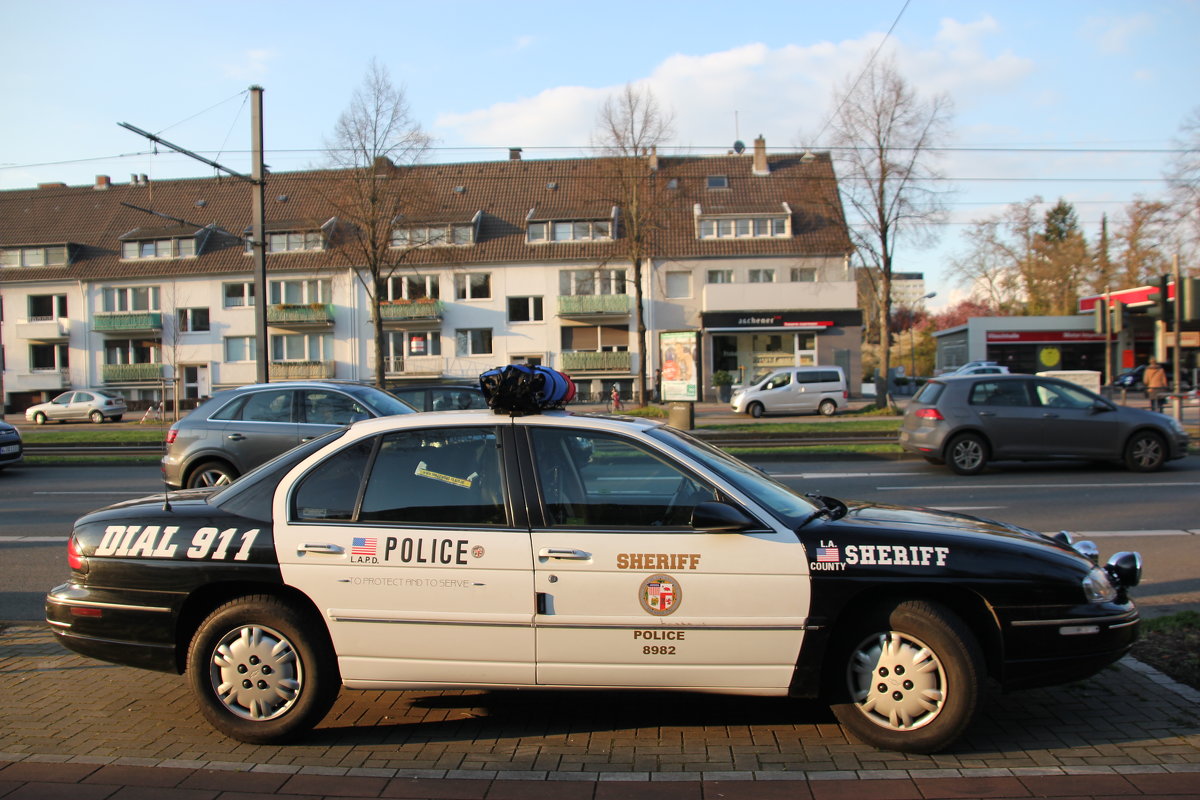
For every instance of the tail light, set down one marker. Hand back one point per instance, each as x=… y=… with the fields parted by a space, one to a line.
x=75 y=560
x=845 y=395
x=171 y=434
x=930 y=413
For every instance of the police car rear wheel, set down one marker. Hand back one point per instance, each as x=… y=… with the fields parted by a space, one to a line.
x=911 y=678
x=259 y=673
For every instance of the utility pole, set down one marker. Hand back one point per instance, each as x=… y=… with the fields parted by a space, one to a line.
x=257 y=179
x=1177 y=361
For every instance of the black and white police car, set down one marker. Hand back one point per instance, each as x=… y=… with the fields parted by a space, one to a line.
x=487 y=549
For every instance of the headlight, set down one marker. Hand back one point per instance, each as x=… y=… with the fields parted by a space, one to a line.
x=1097 y=588
x=1176 y=425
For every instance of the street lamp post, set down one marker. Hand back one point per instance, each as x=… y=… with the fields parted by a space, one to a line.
x=912 y=345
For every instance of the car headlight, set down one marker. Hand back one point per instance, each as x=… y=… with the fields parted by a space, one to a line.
x=1176 y=425
x=1097 y=588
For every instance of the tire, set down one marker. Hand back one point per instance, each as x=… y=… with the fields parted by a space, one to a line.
x=1145 y=452
x=39 y=418
x=96 y=417
x=937 y=462
x=967 y=454
x=211 y=473
x=755 y=410
x=118 y=418
x=827 y=408
x=294 y=673
x=910 y=678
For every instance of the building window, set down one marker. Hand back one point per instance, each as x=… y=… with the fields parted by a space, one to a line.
x=53 y=256
x=717 y=182
x=302 y=347
x=720 y=276
x=473 y=286
x=524 y=309
x=422 y=343
x=129 y=298
x=762 y=276
x=804 y=274
x=238 y=295
x=425 y=235
x=47 y=306
x=570 y=231
x=131 y=351
x=159 y=248
x=294 y=241
x=473 y=341
x=591 y=281
x=241 y=348
x=48 y=357
x=743 y=227
x=301 y=292
x=679 y=285
x=192 y=320
x=413 y=287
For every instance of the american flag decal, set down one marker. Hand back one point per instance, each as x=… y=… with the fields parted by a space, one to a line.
x=828 y=555
x=363 y=546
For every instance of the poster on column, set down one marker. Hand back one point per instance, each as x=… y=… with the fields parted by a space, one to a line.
x=677 y=351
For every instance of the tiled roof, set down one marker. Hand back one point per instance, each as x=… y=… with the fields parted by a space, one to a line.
x=505 y=192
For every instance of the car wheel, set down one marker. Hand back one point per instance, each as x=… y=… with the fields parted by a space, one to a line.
x=967 y=454
x=827 y=408
x=910 y=678
x=211 y=473
x=755 y=410
x=39 y=418
x=96 y=417
x=261 y=671
x=1145 y=452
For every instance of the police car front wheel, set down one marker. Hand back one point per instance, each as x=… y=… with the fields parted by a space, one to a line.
x=911 y=678
x=259 y=673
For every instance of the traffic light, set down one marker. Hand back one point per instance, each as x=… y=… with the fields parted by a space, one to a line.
x=1190 y=297
x=1118 y=316
x=1162 y=306
x=1098 y=315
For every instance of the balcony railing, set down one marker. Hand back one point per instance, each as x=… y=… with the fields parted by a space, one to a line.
x=414 y=365
x=586 y=304
x=111 y=321
x=300 y=314
x=416 y=310
x=294 y=370
x=124 y=373
x=591 y=361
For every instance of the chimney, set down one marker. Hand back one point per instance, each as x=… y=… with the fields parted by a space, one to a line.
x=143 y=180
x=654 y=158
x=102 y=183
x=133 y=179
x=52 y=186
x=383 y=165
x=514 y=154
x=760 y=157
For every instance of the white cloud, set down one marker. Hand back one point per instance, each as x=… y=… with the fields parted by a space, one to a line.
x=1111 y=35
x=252 y=66
x=782 y=93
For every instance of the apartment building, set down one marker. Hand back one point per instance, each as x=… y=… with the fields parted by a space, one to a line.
x=147 y=288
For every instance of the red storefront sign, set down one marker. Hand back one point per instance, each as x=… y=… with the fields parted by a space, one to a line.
x=1042 y=337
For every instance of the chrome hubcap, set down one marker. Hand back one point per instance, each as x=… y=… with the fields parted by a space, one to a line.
x=897 y=681
x=256 y=673
x=213 y=477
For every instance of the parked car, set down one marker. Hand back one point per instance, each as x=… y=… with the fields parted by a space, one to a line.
x=236 y=430
x=11 y=449
x=968 y=421
x=792 y=390
x=553 y=549
x=441 y=396
x=87 y=405
x=982 y=369
x=1132 y=379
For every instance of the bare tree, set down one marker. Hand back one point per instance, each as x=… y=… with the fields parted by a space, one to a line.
x=629 y=127
x=1144 y=240
x=885 y=135
x=1183 y=176
x=375 y=145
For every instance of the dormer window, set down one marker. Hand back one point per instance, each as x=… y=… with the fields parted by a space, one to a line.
x=36 y=256
x=772 y=221
x=293 y=236
x=717 y=182
x=570 y=225
x=446 y=231
x=178 y=242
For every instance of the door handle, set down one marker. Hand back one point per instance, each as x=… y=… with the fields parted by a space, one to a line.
x=563 y=553
x=987 y=413
x=328 y=549
x=235 y=437
x=308 y=438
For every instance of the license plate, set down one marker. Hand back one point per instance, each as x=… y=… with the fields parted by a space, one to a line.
x=10 y=448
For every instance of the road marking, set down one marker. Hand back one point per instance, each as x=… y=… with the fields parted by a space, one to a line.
x=12 y=539
x=1033 y=486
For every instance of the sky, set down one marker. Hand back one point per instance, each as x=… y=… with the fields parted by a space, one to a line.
x=1057 y=98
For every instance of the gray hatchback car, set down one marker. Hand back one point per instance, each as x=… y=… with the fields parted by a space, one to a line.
x=236 y=430
x=967 y=421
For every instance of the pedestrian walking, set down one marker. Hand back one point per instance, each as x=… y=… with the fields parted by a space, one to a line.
x=616 y=398
x=1155 y=378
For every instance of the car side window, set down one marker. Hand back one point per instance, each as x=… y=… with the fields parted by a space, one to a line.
x=596 y=480
x=782 y=379
x=999 y=393
x=330 y=492
x=82 y=397
x=270 y=406
x=1053 y=395
x=327 y=407
x=436 y=476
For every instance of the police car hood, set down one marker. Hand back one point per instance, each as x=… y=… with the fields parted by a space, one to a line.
x=926 y=519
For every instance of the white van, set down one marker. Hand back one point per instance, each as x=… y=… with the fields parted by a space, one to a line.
x=793 y=390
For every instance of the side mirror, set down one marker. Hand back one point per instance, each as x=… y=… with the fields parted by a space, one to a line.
x=711 y=517
x=1101 y=406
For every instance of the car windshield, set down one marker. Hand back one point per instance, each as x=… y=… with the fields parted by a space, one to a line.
x=250 y=495
x=384 y=403
x=788 y=507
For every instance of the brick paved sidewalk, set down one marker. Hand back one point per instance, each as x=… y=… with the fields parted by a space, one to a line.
x=78 y=728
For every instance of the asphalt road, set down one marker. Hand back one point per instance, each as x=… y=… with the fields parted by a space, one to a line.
x=1156 y=514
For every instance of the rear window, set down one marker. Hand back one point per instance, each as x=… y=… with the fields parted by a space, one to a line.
x=929 y=393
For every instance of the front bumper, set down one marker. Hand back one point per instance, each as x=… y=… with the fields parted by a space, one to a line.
x=1043 y=647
